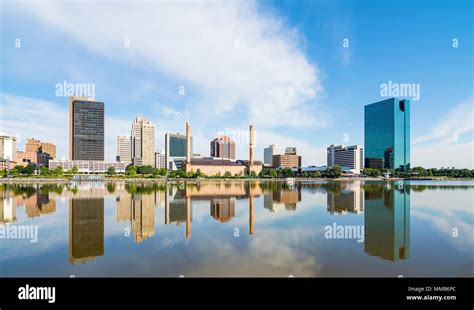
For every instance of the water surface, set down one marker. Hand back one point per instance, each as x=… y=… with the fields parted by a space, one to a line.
x=239 y=228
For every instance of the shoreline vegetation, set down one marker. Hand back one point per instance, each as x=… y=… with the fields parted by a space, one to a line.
x=147 y=173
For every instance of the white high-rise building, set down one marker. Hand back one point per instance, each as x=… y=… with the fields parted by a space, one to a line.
x=143 y=141
x=346 y=156
x=7 y=147
x=269 y=152
x=160 y=159
x=124 y=149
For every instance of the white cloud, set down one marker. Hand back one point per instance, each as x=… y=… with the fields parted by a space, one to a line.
x=48 y=121
x=444 y=145
x=233 y=53
x=458 y=121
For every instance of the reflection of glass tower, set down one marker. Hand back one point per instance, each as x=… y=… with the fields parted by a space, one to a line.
x=387 y=223
x=223 y=210
x=175 y=207
x=86 y=229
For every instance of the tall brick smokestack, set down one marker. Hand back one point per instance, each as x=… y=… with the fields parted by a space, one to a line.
x=188 y=143
x=251 y=149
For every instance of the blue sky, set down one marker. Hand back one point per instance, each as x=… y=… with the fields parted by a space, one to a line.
x=280 y=65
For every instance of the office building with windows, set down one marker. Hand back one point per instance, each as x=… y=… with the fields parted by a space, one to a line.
x=351 y=157
x=175 y=150
x=143 y=141
x=124 y=149
x=86 y=129
x=223 y=147
x=269 y=152
x=387 y=133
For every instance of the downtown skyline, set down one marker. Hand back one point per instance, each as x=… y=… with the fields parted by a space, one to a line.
x=306 y=92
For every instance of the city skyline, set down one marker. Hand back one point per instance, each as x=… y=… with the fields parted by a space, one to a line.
x=306 y=92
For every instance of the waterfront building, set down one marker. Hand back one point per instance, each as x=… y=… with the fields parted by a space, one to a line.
x=7 y=147
x=160 y=159
x=223 y=147
x=124 y=149
x=216 y=166
x=287 y=161
x=351 y=157
x=88 y=166
x=86 y=129
x=143 y=141
x=387 y=133
x=175 y=150
x=269 y=152
x=33 y=146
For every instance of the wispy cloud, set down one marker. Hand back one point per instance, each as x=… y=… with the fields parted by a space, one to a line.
x=235 y=55
x=458 y=121
x=450 y=142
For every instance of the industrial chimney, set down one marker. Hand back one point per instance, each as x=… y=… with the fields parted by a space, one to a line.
x=188 y=144
x=251 y=149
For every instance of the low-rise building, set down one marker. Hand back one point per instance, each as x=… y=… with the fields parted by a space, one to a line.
x=88 y=166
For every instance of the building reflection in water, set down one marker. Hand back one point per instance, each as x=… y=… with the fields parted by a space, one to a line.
x=282 y=197
x=86 y=229
x=387 y=222
x=223 y=209
x=348 y=198
x=7 y=208
x=139 y=210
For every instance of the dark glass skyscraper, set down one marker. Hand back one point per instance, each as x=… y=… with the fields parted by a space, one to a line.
x=86 y=129
x=387 y=133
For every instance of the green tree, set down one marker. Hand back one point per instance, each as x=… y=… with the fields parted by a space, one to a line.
x=333 y=172
x=253 y=174
x=111 y=170
x=29 y=169
x=131 y=171
x=273 y=173
x=45 y=171
x=73 y=170
x=58 y=171
x=162 y=172
x=145 y=170
x=227 y=174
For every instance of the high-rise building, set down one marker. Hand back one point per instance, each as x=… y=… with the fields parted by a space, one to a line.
x=269 y=152
x=160 y=159
x=86 y=129
x=34 y=146
x=7 y=147
x=143 y=141
x=346 y=156
x=223 y=147
x=124 y=149
x=175 y=150
x=387 y=133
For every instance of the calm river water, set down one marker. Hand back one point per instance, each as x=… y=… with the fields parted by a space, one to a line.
x=238 y=228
